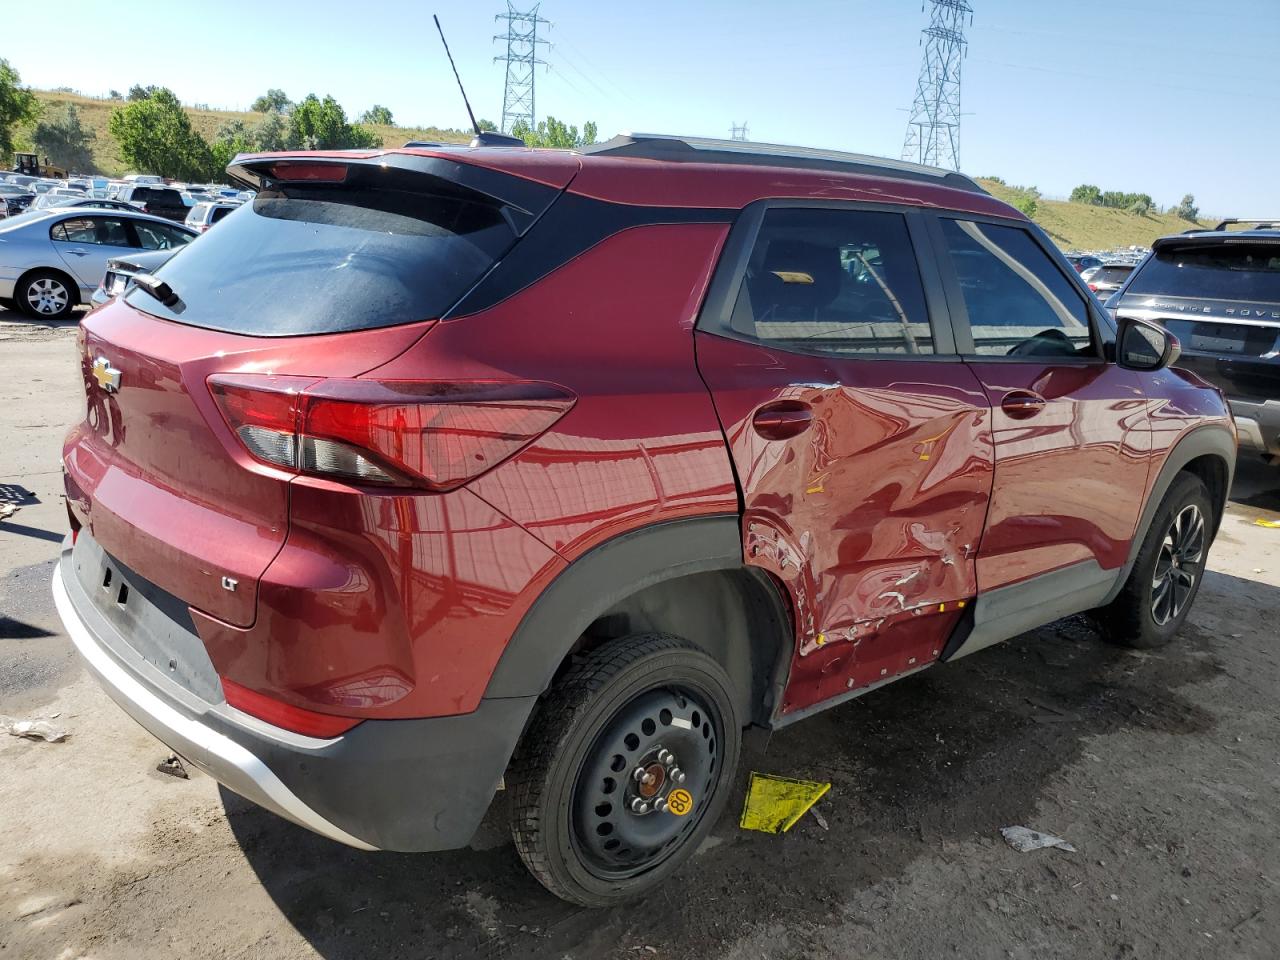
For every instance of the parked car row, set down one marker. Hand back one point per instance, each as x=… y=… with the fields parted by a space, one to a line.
x=150 y=194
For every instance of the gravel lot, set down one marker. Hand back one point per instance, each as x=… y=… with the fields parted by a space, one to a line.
x=1163 y=769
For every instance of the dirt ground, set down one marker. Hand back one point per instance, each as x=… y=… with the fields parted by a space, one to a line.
x=1163 y=769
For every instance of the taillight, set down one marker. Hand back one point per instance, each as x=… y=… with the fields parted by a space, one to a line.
x=280 y=714
x=1093 y=287
x=402 y=433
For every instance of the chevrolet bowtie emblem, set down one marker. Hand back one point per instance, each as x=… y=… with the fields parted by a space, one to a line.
x=108 y=377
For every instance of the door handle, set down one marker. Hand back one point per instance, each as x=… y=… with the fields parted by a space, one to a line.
x=1021 y=404
x=782 y=419
x=78 y=253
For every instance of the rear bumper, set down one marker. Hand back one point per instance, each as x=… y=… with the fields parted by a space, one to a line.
x=1259 y=425
x=406 y=785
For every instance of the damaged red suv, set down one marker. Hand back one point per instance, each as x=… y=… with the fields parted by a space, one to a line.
x=434 y=470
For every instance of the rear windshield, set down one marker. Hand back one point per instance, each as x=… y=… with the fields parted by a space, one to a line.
x=1221 y=271
x=312 y=258
x=1112 y=274
x=157 y=195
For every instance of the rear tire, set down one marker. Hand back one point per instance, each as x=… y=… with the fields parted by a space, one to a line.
x=1167 y=573
x=46 y=295
x=629 y=725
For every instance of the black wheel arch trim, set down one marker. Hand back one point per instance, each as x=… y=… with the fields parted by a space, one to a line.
x=1209 y=439
x=608 y=574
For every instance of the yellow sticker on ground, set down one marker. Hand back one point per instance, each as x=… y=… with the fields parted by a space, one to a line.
x=774 y=804
x=679 y=802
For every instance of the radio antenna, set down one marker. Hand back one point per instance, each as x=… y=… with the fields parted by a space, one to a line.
x=474 y=126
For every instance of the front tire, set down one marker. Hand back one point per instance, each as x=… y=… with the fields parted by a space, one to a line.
x=46 y=295
x=1167 y=573
x=601 y=784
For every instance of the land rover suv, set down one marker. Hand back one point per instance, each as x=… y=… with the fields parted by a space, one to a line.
x=1218 y=291
x=435 y=471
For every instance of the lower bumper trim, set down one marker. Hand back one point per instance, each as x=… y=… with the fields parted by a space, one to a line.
x=223 y=758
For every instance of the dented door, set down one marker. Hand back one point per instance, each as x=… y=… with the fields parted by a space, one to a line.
x=871 y=515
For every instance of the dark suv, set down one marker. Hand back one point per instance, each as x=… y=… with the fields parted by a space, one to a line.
x=156 y=200
x=437 y=470
x=1218 y=291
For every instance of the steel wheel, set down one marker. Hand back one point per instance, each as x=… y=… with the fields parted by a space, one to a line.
x=1176 y=566
x=625 y=819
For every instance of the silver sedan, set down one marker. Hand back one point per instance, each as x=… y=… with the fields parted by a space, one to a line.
x=51 y=260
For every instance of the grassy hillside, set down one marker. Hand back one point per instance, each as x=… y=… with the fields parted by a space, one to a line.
x=1071 y=225
x=95 y=114
x=1078 y=226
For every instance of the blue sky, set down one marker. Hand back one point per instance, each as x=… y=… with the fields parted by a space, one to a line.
x=1160 y=96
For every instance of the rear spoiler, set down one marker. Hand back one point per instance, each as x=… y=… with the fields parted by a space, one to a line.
x=522 y=201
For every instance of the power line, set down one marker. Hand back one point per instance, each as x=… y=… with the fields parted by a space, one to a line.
x=521 y=60
x=933 y=132
x=738 y=132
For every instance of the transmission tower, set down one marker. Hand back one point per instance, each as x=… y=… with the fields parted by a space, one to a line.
x=738 y=132
x=521 y=59
x=933 y=132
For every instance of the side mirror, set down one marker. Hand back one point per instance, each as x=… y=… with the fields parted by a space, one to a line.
x=1143 y=345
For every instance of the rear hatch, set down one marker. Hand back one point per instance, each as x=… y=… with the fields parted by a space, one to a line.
x=335 y=268
x=1220 y=295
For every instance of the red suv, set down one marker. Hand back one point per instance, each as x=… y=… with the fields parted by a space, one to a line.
x=437 y=470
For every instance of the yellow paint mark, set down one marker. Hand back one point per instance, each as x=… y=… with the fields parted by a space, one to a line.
x=774 y=804
x=942 y=607
x=822 y=639
x=817 y=488
x=1274 y=524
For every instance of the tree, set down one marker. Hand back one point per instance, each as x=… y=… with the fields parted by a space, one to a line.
x=377 y=114
x=1141 y=204
x=274 y=100
x=155 y=136
x=17 y=105
x=236 y=136
x=1187 y=209
x=1027 y=204
x=139 y=92
x=488 y=126
x=552 y=133
x=115 y=95
x=1086 y=193
x=271 y=133
x=64 y=141
x=317 y=124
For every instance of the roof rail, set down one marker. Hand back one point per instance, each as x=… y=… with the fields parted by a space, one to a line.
x=661 y=146
x=1271 y=224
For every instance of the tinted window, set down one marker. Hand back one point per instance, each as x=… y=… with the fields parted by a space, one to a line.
x=161 y=198
x=1112 y=274
x=159 y=236
x=838 y=281
x=1235 y=271
x=313 y=258
x=1019 y=303
x=219 y=213
x=109 y=231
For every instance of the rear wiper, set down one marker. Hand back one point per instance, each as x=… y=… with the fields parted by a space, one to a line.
x=156 y=288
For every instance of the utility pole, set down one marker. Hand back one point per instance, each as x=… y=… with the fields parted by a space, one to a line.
x=521 y=58
x=738 y=132
x=933 y=132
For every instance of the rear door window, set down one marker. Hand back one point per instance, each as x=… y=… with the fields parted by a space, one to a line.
x=106 y=231
x=306 y=258
x=834 y=281
x=1221 y=271
x=1018 y=302
x=159 y=236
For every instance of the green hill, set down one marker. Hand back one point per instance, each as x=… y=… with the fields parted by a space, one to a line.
x=1070 y=225
x=1079 y=226
x=95 y=114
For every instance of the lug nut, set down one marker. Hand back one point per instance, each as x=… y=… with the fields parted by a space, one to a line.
x=660 y=804
x=677 y=775
x=666 y=757
x=639 y=774
x=639 y=806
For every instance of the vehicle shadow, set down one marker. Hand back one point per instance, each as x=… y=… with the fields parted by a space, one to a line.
x=945 y=757
x=1257 y=484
